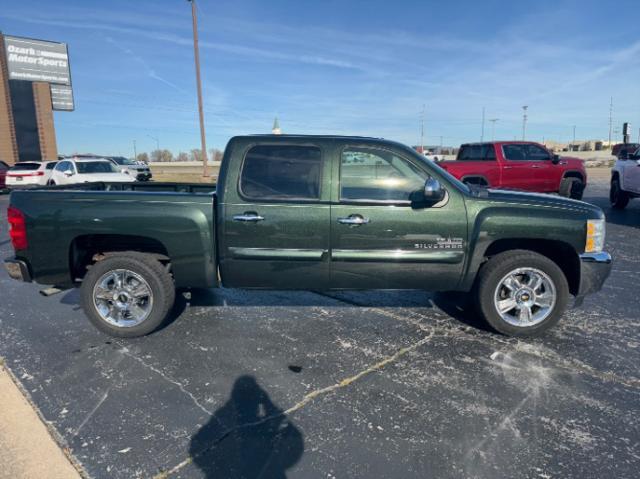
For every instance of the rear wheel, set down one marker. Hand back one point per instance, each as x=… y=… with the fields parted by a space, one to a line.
x=618 y=198
x=521 y=293
x=128 y=294
x=51 y=183
x=572 y=188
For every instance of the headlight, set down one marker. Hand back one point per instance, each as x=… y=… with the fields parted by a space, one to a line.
x=595 y=236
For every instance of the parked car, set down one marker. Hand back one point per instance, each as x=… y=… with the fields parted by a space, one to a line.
x=519 y=165
x=28 y=174
x=625 y=179
x=85 y=170
x=299 y=212
x=135 y=169
x=622 y=150
x=3 y=173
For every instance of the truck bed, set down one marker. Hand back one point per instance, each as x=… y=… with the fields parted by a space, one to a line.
x=67 y=224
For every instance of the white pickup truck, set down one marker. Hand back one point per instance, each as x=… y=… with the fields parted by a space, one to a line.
x=625 y=179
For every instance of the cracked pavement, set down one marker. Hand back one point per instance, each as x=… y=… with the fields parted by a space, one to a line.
x=358 y=384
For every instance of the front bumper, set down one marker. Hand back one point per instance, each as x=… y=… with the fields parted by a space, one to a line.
x=144 y=176
x=594 y=270
x=18 y=270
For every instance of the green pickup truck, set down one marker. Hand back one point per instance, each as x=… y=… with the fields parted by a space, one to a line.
x=314 y=213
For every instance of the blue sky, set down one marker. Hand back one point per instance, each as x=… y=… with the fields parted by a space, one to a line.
x=343 y=67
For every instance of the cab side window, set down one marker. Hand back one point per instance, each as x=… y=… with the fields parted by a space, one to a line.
x=3 y=166
x=536 y=153
x=281 y=172
x=515 y=152
x=378 y=175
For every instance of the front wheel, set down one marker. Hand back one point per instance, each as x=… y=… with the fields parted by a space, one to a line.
x=572 y=188
x=521 y=293
x=127 y=294
x=618 y=198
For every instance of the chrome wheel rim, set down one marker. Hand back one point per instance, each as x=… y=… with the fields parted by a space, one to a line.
x=123 y=298
x=525 y=297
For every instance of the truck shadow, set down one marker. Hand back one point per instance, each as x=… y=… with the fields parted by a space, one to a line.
x=249 y=436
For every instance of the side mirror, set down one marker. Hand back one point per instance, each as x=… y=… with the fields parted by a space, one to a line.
x=555 y=159
x=68 y=173
x=433 y=191
x=624 y=155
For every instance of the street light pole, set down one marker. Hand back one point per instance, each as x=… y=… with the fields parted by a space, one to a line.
x=205 y=170
x=493 y=127
x=135 y=153
x=524 y=121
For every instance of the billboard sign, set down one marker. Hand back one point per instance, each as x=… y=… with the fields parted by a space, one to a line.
x=37 y=60
x=62 y=97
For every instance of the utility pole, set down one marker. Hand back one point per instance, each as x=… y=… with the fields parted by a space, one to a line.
x=196 y=54
x=482 y=132
x=135 y=153
x=422 y=130
x=610 y=120
x=493 y=127
x=574 y=135
x=156 y=140
x=524 y=122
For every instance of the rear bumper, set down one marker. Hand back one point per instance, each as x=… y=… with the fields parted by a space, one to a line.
x=594 y=270
x=144 y=176
x=17 y=269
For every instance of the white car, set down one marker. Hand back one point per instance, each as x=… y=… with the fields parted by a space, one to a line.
x=625 y=180
x=137 y=170
x=70 y=171
x=29 y=174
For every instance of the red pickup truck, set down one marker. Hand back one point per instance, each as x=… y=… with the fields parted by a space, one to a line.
x=520 y=165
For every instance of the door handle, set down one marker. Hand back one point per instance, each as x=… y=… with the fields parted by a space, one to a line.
x=354 y=220
x=248 y=217
x=507 y=167
x=536 y=166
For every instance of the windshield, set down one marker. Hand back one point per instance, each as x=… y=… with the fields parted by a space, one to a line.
x=123 y=161
x=95 y=167
x=25 y=166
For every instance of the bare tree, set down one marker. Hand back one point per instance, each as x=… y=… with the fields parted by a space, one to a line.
x=161 y=155
x=182 y=156
x=196 y=155
x=215 y=154
x=144 y=157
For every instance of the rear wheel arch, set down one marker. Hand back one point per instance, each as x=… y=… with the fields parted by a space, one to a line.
x=86 y=250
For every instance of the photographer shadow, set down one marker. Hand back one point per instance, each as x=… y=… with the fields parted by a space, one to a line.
x=248 y=437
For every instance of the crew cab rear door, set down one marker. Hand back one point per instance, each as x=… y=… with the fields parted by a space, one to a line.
x=380 y=239
x=275 y=211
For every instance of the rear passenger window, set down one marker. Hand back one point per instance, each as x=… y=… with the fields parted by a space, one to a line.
x=477 y=153
x=281 y=172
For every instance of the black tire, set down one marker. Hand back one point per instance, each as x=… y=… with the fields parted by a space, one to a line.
x=147 y=267
x=51 y=183
x=499 y=266
x=571 y=188
x=618 y=198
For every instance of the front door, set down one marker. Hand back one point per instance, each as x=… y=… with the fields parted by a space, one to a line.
x=523 y=169
x=275 y=228
x=380 y=239
x=631 y=172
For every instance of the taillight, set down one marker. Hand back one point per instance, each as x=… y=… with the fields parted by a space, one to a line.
x=17 y=228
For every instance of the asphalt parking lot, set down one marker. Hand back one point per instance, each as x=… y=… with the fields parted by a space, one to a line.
x=368 y=384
